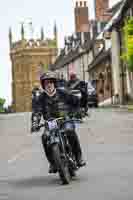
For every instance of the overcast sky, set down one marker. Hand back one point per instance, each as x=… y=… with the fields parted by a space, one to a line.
x=41 y=13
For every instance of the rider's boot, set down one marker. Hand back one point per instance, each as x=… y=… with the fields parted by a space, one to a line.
x=52 y=169
x=76 y=148
x=78 y=152
x=80 y=162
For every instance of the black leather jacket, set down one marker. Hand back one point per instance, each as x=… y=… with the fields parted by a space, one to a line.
x=62 y=103
x=82 y=86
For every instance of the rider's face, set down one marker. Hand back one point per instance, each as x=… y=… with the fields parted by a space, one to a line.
x=49 y=86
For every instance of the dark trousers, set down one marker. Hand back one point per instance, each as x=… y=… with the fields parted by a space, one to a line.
x=73 y=141
x=75 y=144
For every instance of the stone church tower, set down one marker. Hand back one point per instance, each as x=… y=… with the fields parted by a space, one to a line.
x=29 y=58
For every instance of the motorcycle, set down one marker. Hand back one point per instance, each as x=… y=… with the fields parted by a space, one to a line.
x=57 y=141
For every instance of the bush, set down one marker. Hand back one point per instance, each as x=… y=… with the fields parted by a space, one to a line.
x=2 y=101
x=128 y=40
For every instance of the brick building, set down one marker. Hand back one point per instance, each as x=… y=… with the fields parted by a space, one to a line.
x=81 y=17
x=101 y=7
x=28 y=58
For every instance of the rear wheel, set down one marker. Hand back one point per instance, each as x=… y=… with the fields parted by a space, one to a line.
x=61 y=165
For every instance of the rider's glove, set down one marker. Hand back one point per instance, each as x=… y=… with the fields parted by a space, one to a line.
x=34 y=127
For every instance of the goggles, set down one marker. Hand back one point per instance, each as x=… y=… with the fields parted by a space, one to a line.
x=48 y=81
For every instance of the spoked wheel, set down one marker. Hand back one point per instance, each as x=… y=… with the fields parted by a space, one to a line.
x=61 y=165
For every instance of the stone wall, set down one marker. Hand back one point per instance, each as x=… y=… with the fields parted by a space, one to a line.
x=101 y=7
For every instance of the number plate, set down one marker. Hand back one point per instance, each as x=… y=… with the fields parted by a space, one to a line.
x=52 y=125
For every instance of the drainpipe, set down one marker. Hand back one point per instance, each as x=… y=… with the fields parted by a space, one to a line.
x=122 y=70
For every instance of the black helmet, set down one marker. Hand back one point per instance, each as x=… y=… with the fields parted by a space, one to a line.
x=48 y=76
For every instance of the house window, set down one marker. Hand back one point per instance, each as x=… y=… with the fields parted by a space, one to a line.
x=131 y=12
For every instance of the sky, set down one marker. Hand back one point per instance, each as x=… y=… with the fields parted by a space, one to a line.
x=42 y=13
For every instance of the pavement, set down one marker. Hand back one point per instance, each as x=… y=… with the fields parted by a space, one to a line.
x=126 y=107
x=107 y=142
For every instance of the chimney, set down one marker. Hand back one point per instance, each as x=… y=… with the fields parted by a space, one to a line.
x=81 y=17
x=101 y=7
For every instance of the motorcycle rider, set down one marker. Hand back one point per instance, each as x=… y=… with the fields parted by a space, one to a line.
x=54 y=102
x=73 y=81
x=77 y=84
x=36 y=107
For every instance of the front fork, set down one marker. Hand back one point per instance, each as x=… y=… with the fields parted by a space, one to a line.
x=62 y=146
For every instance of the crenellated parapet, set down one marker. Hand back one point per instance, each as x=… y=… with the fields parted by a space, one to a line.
x=41 y=42
x=30 y=44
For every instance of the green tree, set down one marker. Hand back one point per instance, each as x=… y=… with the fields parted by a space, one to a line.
x=128 y=43
x=2 y=101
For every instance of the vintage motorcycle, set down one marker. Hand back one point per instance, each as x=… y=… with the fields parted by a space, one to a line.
x=55 y=132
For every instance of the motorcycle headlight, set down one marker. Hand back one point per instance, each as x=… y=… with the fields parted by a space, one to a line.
x=52 y=125
x=37 y=94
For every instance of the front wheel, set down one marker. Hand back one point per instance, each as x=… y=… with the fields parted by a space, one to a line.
x=61 y=164
x=72 y=173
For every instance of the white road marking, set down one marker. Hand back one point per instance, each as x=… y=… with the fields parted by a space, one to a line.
x=16 y=157
x=19 y=155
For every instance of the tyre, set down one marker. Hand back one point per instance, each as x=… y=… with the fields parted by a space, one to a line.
x=72 y=172
x=61 y=165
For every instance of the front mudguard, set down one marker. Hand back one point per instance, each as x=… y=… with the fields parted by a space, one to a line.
x=52 y=139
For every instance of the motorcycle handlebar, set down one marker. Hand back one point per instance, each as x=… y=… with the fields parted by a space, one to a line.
x=45 y=121
x=61 y=118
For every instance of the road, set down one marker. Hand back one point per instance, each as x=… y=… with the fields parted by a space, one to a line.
x=106 y=137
